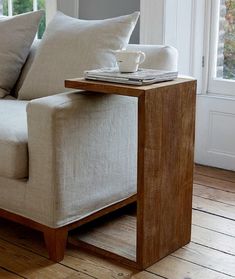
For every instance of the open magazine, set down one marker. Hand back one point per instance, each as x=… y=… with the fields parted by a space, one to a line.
x=141 y=77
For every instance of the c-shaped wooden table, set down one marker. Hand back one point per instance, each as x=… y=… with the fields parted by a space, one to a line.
x=166 y=125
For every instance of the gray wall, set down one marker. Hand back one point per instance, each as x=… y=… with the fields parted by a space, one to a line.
x=68 y=7
x=100 y=9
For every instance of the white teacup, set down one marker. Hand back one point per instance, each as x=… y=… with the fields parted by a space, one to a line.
x=128 y=61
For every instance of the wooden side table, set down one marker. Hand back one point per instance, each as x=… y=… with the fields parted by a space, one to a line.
x=166 y=125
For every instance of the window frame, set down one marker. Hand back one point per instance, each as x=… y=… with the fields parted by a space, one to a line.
x=10 y=6
x=50 y=6
x=216 y=85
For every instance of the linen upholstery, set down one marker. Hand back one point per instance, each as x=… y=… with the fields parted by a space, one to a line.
x=16 y=36
x=79 y=159
x=70 y=46
x=13 y=139
x=26 y=68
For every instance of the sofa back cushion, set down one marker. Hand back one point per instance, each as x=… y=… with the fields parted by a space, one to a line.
x=70 y=46
x=16 y=36
x=25 y=68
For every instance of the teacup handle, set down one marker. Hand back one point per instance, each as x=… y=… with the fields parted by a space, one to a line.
x=142 y=57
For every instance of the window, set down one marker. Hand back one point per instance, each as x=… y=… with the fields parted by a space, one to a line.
x=228 y=39
x=222 y=48
x=14 y=7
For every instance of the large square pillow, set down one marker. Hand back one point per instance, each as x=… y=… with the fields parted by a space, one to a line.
x=16 y=36
x=70 y=46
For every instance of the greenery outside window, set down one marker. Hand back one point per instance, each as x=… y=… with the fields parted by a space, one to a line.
x=222 y=48
x=15 y=7
x=226 y=42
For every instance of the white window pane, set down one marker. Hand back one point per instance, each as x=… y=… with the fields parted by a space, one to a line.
x=35 y=5
x=10 y=8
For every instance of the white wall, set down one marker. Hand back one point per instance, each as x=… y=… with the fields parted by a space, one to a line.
x=51 y=8
x=178 y=31
x=151 y=21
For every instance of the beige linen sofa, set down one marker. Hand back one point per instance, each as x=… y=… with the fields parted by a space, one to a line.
x=69 y=158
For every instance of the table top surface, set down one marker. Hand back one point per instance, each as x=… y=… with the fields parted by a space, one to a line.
x=120 y=89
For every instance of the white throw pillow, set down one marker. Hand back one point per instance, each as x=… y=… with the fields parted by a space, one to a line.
x=70 y=46
x=16 y=36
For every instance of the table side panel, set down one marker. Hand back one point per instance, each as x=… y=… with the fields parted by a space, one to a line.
x=165 y=170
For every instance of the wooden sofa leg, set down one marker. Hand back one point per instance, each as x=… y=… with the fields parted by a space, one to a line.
x=56 y=240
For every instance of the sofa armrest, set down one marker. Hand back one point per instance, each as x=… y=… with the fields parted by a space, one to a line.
x=82 y=152
x=159 y=57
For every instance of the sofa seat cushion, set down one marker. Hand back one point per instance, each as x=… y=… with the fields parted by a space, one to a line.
x=13 y=139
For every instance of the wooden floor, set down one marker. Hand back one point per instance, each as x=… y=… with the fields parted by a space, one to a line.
x=210 y=255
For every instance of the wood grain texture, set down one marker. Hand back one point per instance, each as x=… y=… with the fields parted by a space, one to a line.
x=213 y=223
x=117 y=235
x=172 y=267
x=215 y=182
x=21 y=220
x=165 y=170
x=56 y=239
x=208 y=258
x=219 y=241
x=215 y=173
x=76 y=259
x=4 y=274
x=216 y=240
x=214 y=194
x=100 y=267
x=30 y=265
x=214 y=207
x=115 y=88
x=23 y=254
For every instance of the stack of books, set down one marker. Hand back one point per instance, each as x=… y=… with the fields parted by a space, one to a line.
x=141 y=77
